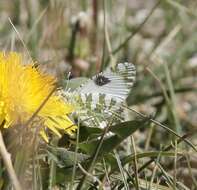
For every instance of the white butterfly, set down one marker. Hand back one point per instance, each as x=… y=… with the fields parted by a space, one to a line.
x=100 y=98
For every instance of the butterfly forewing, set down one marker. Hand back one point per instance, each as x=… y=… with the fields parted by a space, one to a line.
x=118 y=85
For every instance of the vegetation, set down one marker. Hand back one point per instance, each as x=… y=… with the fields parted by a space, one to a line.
x=152 y=145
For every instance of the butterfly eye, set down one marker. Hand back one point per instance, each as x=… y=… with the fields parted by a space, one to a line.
x=101 y=80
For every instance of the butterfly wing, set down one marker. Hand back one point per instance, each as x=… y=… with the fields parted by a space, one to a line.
x=101 y=97
x=120 y=81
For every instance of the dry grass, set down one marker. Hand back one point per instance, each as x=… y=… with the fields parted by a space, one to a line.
x=84 y=37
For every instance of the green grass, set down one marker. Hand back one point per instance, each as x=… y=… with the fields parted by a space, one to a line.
x=156 y=147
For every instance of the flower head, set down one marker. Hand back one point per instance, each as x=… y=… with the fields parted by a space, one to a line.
x=23 y=88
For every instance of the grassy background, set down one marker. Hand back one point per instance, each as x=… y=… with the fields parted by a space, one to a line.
x=160 y=38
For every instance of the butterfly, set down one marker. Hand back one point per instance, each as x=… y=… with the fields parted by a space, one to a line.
x=100 y=98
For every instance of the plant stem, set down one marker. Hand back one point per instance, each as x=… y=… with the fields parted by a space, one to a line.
x=8 y=164
x=135 y=31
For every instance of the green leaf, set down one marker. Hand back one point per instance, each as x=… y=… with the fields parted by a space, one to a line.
x=121 y=131
x=130 y=158
x=65 y=158
x=87 y=133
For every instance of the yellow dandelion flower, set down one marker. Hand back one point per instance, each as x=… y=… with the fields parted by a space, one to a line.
x=23 y=88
